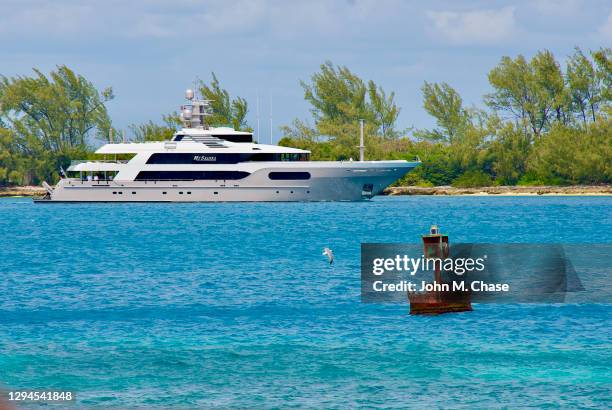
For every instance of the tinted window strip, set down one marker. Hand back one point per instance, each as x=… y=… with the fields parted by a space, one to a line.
x=289 y=175
x=222 y=158
x=190 y=175
x=235 y=138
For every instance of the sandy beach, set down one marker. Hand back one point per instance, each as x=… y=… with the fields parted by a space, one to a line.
x=22 y=191
x=575 y=190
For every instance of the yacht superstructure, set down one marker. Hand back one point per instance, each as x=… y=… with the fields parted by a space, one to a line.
x=215 y=164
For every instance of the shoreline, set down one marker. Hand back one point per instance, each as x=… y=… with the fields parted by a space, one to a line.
x=573 y=190
x=21 y=191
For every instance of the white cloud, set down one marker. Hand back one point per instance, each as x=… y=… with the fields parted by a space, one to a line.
x=605 y=31
x=51 y=18
x=473 y=27
x=160 y=19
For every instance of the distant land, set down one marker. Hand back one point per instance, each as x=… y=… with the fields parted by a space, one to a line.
x=544 y=122
x=502 y=190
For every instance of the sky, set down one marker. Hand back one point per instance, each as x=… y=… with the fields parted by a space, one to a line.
x=150 y=51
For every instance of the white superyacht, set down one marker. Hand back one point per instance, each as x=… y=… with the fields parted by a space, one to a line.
x=216 y=164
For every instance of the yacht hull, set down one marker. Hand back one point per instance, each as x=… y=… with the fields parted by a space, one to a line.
x=343 y=181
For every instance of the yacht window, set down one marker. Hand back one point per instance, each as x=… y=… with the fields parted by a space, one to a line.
x=190 y=175
x=236 y=137
x=289 y=175
x=222 y=158
x=294 y=157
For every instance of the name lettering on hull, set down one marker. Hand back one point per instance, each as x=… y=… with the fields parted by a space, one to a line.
x=204 y=158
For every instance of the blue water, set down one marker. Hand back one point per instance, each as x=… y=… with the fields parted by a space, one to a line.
x=233 y=305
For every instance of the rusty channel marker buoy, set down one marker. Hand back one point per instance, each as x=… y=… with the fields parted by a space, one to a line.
x=436 y=246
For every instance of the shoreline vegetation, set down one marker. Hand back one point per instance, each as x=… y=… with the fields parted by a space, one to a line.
x=513 y=190
x=544 y=122
x=573 y=190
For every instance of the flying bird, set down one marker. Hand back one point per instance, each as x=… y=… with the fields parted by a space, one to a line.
x=330 y=255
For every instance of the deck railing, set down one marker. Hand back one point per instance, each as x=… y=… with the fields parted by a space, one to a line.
x=109 y=161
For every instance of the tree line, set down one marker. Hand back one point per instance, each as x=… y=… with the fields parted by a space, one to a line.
x=540 y=124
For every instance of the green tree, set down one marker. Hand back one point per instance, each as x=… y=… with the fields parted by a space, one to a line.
x=531 y=92
x=226 y=111
x=10 y=158
x=339 y=99
x=550 y=85
x=443 y=103
x=150 y=131
x=472 y=178
x=512 y=81
x=61 y=111
x=385 y=110
x=52 y=119
x=336 y=95
x=437 y=168
x=460 y=134
x=299 y=130
x=583 y=85
x=570 y=155
x=509 y=152
x=603 y=74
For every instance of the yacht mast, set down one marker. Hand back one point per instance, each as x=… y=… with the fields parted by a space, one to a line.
x=361 y=146
x=270 y=119
x=194 y=114
x=258 y=133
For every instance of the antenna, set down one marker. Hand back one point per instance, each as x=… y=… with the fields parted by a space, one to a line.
x=194 y=113
x=270 y=119
x=110 y=135
x=258 y=134
x=196 y=82
x=361 y=146
x=123 y=135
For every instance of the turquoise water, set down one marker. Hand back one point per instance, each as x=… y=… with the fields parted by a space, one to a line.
x=233 y=305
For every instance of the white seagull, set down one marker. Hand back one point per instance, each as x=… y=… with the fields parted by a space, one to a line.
x=330 y=255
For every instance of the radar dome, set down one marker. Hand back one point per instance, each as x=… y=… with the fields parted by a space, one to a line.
x=189 y=94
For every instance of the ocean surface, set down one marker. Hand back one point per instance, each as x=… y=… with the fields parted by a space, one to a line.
x=233 y=305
